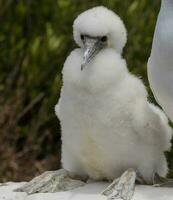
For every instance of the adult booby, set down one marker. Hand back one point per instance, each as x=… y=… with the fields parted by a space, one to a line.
x=160 y=64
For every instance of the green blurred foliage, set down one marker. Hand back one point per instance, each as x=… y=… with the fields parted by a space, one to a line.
x=35 y=39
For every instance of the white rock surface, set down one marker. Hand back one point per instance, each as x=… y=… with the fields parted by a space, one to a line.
x=89 y=192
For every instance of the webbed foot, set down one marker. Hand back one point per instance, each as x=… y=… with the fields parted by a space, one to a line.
x=122 y=187
x=159 y=181
x=51 y=181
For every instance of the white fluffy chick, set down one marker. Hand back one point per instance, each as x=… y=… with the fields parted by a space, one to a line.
x=160 y=65
x=107 y=124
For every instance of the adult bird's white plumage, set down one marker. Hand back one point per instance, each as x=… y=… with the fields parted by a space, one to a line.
x=160 y=64
x=107 y=123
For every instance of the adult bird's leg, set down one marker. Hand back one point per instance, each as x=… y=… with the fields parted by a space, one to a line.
x=124 y=186
x=52 y=181
x=159 y=181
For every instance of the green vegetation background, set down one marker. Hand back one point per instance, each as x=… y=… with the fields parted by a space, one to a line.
x=35 y=39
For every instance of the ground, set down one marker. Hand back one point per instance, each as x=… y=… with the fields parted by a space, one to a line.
x=90 y=192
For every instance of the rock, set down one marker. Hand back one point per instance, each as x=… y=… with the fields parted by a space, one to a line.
x=89 y=192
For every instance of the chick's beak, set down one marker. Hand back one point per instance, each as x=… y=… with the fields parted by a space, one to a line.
x=92 y=47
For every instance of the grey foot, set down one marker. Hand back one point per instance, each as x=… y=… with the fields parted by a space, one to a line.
x=122 y=187
x=51 y=181
x=159 y=181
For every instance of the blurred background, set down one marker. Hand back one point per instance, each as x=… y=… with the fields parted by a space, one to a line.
x=35 y=39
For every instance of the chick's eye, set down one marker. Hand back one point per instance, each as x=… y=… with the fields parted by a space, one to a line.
x=82 y=37
x=104 y=39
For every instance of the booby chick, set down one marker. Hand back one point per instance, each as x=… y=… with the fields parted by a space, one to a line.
x=108 y=126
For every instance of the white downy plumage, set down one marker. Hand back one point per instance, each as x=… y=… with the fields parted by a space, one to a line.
x=108 y=126
x=160 y=65
x=107 y=123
